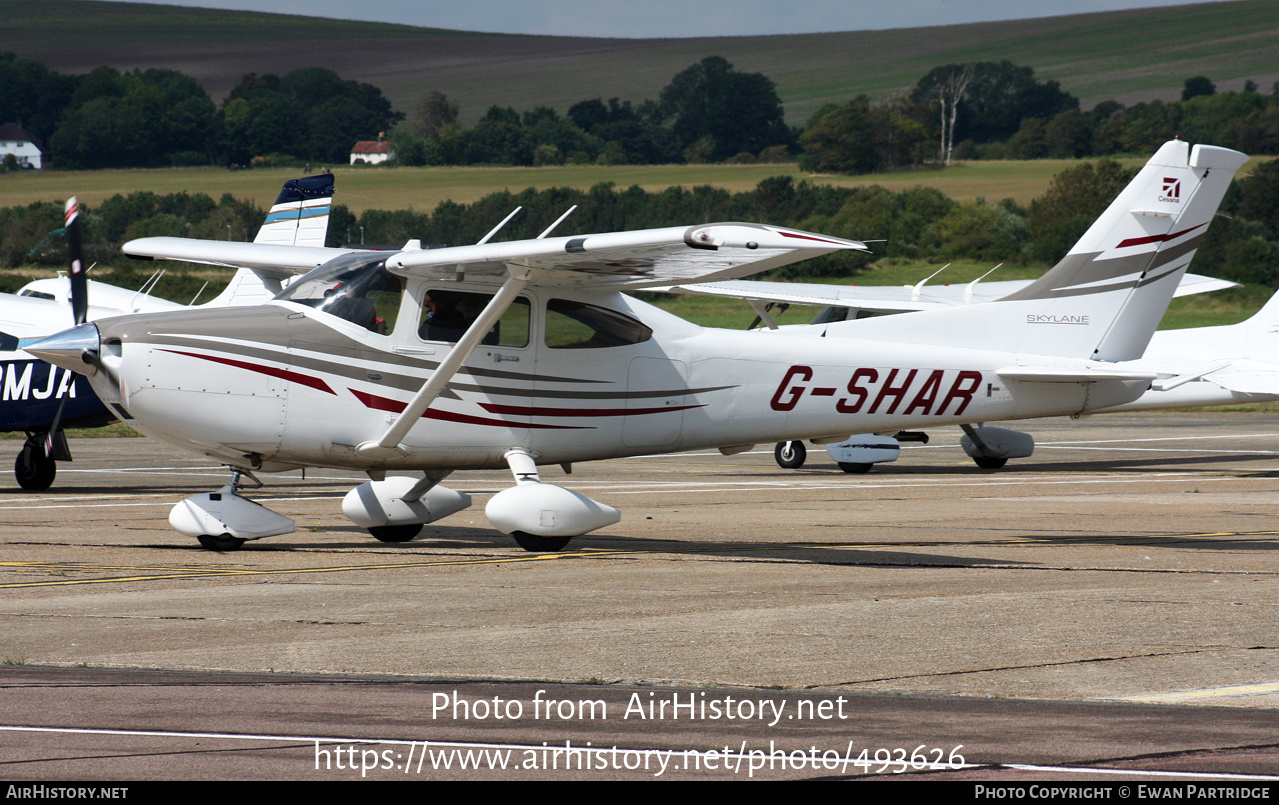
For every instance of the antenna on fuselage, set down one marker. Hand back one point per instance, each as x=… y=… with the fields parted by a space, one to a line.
x=498 y=228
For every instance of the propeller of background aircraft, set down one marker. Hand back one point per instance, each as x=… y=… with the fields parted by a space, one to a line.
x=37 y=465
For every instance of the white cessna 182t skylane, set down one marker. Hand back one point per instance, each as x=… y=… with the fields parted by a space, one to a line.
x=525 y=353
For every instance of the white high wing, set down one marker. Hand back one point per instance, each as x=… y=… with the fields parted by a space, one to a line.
x=526 y=353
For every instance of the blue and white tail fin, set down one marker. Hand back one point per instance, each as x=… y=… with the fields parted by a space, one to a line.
x=1105 y=298
x=300 y=215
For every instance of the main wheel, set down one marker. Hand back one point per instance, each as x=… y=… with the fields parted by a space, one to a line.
x=221 y=542
x=848 y=466
x=989 y=463
x=535 y=544
x=396 y=533
x=790 y=455
x=34 y=470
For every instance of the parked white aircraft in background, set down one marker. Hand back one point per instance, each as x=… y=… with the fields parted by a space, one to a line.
x=525 y=353
x=42 y=401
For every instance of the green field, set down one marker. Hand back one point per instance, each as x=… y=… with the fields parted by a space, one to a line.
x=1129 y=56
x=423 y=188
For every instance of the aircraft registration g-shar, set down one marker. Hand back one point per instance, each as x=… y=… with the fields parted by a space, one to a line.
x=42 y=400
x=526 y=353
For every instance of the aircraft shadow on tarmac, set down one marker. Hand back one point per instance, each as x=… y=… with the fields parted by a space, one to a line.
x=440 y=543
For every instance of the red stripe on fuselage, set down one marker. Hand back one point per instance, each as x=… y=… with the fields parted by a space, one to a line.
x=283 y=374
x=1156 y=238
x=397 y=407
x=524 y=410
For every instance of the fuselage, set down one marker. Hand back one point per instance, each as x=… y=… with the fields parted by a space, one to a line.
x=569 y=376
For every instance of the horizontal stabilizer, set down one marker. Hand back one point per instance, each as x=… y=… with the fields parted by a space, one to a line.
x=893 y=298
x=1070 y=374
x=1256 y=382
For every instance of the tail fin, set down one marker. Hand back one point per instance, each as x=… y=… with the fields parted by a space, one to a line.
x=1104 y=299
x=1122 y=273
x=300 y=215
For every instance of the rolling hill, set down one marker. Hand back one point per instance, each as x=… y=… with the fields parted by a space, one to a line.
x=1094 y=56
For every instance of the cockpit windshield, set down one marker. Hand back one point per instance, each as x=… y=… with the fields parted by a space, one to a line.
x=355 y=287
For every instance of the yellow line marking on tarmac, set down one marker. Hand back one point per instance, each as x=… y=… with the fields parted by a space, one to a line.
x=166 y=574
x=1206 y=693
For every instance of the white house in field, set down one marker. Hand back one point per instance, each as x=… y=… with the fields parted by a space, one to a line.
x=372 y=152
x=22 y=144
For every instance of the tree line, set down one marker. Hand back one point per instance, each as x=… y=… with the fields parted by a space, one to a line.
x=917 y=224
x=709 y=112
x=155 y=118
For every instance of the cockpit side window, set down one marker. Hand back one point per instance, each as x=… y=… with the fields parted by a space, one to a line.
x=576 y=325
x=446 y=315
x=359 y=290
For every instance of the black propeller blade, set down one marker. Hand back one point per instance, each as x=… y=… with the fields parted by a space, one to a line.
x=79 y=284
x=55 y=441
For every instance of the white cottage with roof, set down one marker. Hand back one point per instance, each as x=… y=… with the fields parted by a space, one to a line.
x=22 y=144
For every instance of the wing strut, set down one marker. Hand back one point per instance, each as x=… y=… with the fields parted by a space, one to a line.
x=388 y=445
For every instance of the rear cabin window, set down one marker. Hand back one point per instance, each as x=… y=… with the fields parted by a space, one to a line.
x=575 y=325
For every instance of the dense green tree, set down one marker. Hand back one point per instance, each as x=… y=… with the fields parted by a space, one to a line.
x=138 y=119
x=1197 y=86
x=978 y=231
x=33 y=95
x=433 y=111
x=1075 y=198
x=863 y=137
x=310 y=114
x=1068 y=135
x=740 y=111
x=999 y=96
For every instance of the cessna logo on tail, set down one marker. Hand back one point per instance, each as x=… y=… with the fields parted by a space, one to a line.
x=1172 y=190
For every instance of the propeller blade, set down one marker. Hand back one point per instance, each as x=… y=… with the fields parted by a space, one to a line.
x=79 y=302
x=79 y=285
